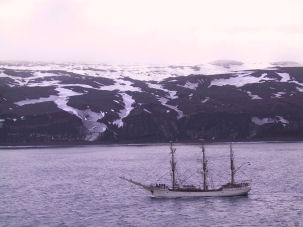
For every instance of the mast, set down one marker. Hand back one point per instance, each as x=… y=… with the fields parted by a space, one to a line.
x=204 y=162
x=173 y=165
x=232 y=165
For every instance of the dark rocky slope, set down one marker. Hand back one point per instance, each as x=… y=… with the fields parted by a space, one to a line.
x=64 y=107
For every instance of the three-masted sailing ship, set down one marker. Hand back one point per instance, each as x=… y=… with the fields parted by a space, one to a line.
x=175 y=190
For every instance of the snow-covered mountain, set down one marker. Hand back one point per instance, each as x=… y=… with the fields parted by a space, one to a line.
x=82 y=103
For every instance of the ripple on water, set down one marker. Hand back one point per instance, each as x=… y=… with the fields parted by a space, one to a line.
x=81 y=186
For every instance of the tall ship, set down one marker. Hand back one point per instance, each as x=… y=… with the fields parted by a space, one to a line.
x=175 y=190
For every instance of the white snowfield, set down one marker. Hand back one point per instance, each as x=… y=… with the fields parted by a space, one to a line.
x=118 y=73
x=139 y=72
x=239 y=80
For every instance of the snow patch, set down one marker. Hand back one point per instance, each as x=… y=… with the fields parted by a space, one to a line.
x=253 y=96
x=175 y=108
x=25 y=81
x=44 y=83
x=88 y=117
x=128 y=102
x=156 y=86
x=282 y=120
x=163 y=100
x=17 y=80
x=190 y=85
x=300 y=89
x=205 y=100
x=34 y=101
x=240 y=80
x=171 y=94
x=147 y=110
x=62 y=100
x=90 y=122
x=77 y=85
x=2 y=122
x=40 y=75
x=262 y=121
x=121 y=85
x=278 y=94
x=284 y=77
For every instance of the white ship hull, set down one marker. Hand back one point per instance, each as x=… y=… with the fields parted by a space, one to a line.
x=166 y=193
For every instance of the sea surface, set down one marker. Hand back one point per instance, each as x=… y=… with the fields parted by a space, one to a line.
x=80 y=186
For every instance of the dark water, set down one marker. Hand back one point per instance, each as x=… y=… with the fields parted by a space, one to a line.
x=81 y=186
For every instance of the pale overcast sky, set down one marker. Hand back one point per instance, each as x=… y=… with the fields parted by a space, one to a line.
x=154 y=31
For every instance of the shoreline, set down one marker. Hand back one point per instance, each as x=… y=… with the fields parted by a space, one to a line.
x=2 y=147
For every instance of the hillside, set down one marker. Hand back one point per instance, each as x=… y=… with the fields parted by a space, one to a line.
x=84 y=103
